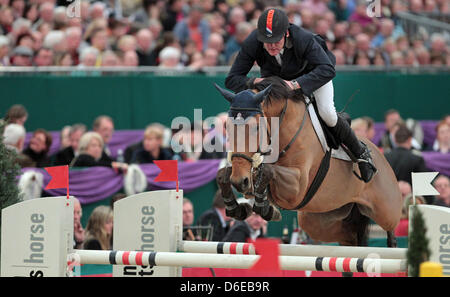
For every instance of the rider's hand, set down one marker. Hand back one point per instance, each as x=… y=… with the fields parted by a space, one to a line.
x=258 y=80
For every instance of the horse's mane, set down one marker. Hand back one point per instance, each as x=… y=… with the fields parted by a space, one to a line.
x=279 y=91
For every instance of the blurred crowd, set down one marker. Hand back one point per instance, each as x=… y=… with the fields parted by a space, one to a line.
x=193 y=34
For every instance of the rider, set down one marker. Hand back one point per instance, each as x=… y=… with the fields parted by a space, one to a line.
x=302 y=59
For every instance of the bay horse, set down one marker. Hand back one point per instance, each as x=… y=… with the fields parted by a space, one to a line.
x=342 y=205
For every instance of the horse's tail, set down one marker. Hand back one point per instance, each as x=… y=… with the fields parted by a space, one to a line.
x=359 y=225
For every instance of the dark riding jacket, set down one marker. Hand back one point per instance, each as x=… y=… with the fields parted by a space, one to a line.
x=306 y=59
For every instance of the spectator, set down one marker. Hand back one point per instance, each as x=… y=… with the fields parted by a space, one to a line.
x=66 y=155
x=234 y=43
x=78 y=231
x=88 y=57
x=169 y=58
x=110 y=59
x=152 y=147
x=17 y=114
x=14 y=139
x=64 y=140
x=126 y=43
x=391 y=118
x=442 y=184
x=317 y=7
x=236 y=16
x=405 y=188
x=173 y=14
x=370 y=127
x=104 y=126
x=386 y=30
x=402 y=159
x=402 y=228
x=442 y=142
x=4 y=51
x=188 y=219
x=215 y=217
x=44 y=57
x=130 y=59
x=360 y=127
x=56 y=40
x=73 y=40
x=193 y=27
x=22 y=56
x=99 y=229
x=216 y=42
x=89 y=153
x=38 y=148
x=249 y=229
x=145 y=47
x=211 y=58
x=115 y=198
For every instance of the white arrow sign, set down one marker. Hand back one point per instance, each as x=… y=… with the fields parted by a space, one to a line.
x=421 y=184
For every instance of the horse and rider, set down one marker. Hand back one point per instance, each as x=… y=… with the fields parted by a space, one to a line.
x=297 y=68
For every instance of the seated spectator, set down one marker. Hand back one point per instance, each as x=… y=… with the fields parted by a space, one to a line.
x=370 y=127
x=22 y=56
x=402 y=228
x=194 y=27
x=152 y=147
x=188 y=220
x=360 y=127
x=78 y=231
x=4 y=50
x=402 y=158
x=104 y=126
x=88 y=57
x=169 y=58
x=89 y=153
x=145 y=47
x=442 y=184
x=116 y=198
x=66 y=155
x=64 y=140
x=215 y=217
x=391 y=117
x=99 y=229
x=16 y=114
x=130 y=59
x=38 y=148
x=442 y=142
x=244 y=231
x=44 y=57
x=14 y=139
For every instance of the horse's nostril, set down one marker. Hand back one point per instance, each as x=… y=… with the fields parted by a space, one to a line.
x=245 y=183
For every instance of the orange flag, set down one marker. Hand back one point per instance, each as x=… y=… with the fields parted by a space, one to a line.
x=169 y=171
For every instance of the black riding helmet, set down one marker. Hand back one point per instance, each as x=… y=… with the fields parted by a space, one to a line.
x=272 y=25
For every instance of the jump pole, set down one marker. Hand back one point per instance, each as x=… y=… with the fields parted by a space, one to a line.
x=170 y=259
x=293 y=250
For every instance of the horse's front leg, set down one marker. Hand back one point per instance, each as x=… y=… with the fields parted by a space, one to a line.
x=233 y=209
x=262 y=205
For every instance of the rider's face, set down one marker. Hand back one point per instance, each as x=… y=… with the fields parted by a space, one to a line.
x=274 y=48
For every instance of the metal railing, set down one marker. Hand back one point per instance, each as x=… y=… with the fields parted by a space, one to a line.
x=421 y=26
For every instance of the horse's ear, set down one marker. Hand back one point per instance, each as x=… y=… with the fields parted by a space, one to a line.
x=259 y=97
x=227 y=94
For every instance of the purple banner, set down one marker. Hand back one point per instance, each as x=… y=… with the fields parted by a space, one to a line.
x=97 y=183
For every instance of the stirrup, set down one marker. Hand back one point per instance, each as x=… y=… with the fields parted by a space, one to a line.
x=365 y=157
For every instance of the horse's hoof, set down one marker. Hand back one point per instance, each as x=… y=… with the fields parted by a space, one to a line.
x=240 y=213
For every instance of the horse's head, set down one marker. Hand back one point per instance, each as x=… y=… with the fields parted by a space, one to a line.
x=243 y=134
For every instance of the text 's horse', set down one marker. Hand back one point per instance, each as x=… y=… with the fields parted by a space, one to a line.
x=339 y=210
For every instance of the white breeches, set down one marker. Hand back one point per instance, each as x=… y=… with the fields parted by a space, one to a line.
x=325 y=103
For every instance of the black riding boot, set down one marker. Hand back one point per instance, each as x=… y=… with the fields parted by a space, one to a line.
x=344 y=133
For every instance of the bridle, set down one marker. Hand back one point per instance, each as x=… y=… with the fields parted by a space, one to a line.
x=257 y=159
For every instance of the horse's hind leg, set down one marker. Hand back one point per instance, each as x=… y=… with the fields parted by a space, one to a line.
x=262 y=205
x=391 y=239
x=232 y=208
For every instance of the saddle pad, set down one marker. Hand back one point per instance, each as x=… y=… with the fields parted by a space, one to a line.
x=337 y=154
